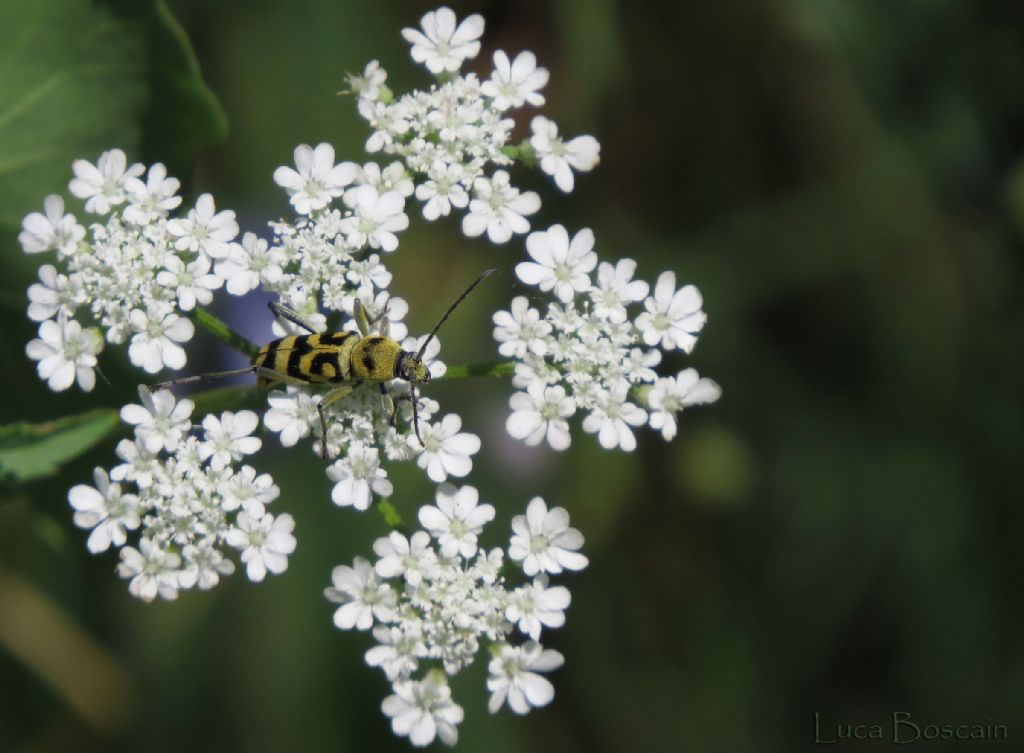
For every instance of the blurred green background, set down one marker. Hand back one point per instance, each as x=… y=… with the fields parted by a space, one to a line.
x=840 y=533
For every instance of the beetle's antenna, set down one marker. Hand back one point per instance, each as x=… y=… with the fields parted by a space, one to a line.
x=415 y=414
x=460 y=299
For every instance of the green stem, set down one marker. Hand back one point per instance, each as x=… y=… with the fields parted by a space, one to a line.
x=523 y=152
x=219 y=329
x=491 y=369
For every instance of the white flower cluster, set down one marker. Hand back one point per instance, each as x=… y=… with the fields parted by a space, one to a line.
x=131 y=279
x=433 y=597
x=187 y=499
x=454 y=137
x=586 y=353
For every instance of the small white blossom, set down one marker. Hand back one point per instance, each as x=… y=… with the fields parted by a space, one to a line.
x=669 y=396
x=411 y=558
x=537 y=606
x=155 y=343
x=191 y=282
x=358 y=476
x=103 y=185
x=205 y=229
x=361 y=594
x=398 y=651
x=248 y=491
x=53 y=295
x=456 y=520
x=514 y=83
x=514 y=677
x=159 y=422
x=317 y=179
x=54 y=231
x=558 y=263
x=616 y=289
x=559 y=158
x=540 y=413
x=446 y=450
x=265 y=543
x=152 y=199
x=291 y=414
x=543 y=541
x=442 y=45
x=442 y=190
x=520 y=330
x=228 y=437
x=203 y=565
x=612 y=418
x=66 y=353
x=422 y=710
x=105 y=510
x=370 y=84
x=376 y=219
x=499 y=208
x=153 y=571
x=673 y=318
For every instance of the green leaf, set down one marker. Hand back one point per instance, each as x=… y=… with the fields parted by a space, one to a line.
x=30 y=451
x=78 y=78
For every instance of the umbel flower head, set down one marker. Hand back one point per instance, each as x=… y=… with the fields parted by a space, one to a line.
x=434 y=599
x=184 y=507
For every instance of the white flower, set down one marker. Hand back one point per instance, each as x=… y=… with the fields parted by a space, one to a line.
x=205 y=229
x=540 y=413
x=536 y=606
x=54 y=294
x=446 y=451
x=249 y=264
x=398 y=651
x=442 y=46
x=512 y=84
x=265 y=543
x=673 y=317
x=105 y=510
x=155 y=343
x=498 y=208
x=358 y=477
x=291 y=414
x=65 y=352
x=457 y=519
x=248 y=491
x=203 y=565
x=361 y=595
x=611 y=419
x=317 y=180
x=192 y=282
x=369 y=85
x=513 y=677
x=52 y=231
x=227 y=438
x=159 y=422
x=152 y=199
x=521 y=330
x=670 y=395
x=543 y=541
x=442 y=190
x=153 y=571
x=616 y=289
x=375 y=220
x=410 y=558
x=423 y=709
x=558 y=158
x=102 y=184
x=559 y=263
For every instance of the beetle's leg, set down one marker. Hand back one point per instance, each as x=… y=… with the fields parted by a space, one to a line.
x=279 y=309
x=342 y=390
x=388 y=403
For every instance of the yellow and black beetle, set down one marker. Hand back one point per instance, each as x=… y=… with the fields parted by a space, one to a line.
x=342 y=359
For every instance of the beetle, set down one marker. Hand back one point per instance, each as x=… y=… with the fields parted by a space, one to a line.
x=342 y=359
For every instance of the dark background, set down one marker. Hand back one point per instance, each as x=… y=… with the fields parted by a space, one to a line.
x=840 y=533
